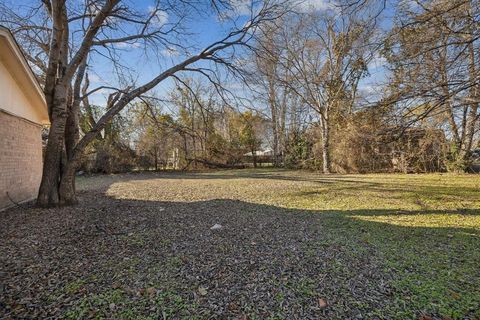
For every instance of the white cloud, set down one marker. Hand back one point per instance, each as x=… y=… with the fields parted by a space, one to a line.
x=368 y=88
x=238 y=8
x=160 y=18
x=241 y=7
x=127 y=45
x=378 y=61
x=318 y=5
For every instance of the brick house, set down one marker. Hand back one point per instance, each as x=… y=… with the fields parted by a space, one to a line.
x=23 y=112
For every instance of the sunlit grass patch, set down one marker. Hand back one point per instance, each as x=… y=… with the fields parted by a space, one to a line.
x=427 y=220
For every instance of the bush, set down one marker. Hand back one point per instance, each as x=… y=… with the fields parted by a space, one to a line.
x=104 y=158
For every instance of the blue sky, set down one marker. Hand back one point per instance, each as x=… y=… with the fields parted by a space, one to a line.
x=205 y=27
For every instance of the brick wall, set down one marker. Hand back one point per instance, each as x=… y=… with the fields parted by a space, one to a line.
x=20 y=159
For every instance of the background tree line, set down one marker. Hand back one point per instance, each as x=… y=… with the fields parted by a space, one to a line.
x=308 y=106
x=289 y=77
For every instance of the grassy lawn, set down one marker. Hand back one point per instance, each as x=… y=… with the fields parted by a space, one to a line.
x=294 y=245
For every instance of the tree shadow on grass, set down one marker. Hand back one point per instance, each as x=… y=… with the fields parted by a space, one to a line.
x=276 y=174
x=128 y=258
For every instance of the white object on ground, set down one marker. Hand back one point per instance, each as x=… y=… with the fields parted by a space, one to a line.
x=216 y=226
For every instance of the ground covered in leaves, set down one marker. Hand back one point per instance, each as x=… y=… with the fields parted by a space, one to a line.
x=293 y=245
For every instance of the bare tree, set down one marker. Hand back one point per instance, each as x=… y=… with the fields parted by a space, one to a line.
x=328 y=54
x=433 y=52
x=271 y=77
x=66 y=35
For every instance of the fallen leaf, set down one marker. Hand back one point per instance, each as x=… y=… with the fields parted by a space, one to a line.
x=202 y=291
x=232 y=306
x=455 y=295
x=151 y=291
x=322 y=303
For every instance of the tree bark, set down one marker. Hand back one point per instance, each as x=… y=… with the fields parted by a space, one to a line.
x=325 y=145
x=67 y=190
x=471 y=120
x=48 y=194
x=281 y=131
x=272 y=99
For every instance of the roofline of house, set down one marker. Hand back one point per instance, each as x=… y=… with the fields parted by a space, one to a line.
x=7 y=34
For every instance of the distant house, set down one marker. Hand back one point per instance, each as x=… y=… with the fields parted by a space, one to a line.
x=260 y=153
x=260 y=156
x=23 y=112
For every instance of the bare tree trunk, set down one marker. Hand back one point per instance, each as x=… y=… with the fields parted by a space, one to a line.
x=58 y=180
x=470 y=130
x=72 y=135
x=67 y=190
x=275 y=136
x=273 y=110
x=281 y=133
x=471 y=120
x=325 y=144
x=48 y=194
x=185 y=146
